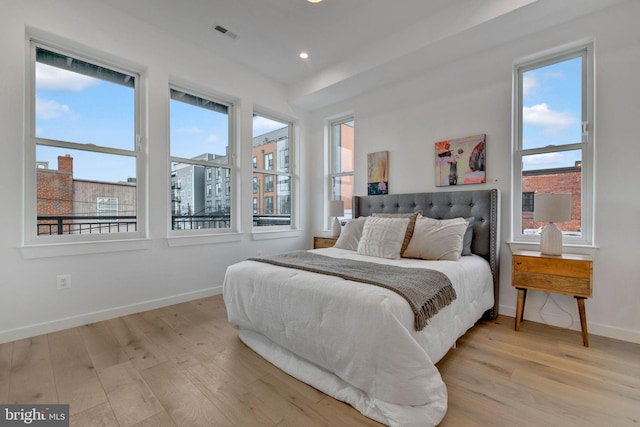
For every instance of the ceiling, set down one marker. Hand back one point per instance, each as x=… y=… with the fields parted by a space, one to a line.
x=353 y=45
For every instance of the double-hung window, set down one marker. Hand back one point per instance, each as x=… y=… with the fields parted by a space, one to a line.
x=272 y=146
x=200 y=150
x=84 y=155
x=553 y=141
x=341 y=146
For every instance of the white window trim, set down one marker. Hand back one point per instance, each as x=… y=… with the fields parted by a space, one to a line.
x=588 y=160
x=279 y=231
x=30 y=237
x=184 y=237
x=331 y=167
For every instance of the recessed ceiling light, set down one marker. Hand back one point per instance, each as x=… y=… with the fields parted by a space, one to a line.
x=314 y=1
x=304 y=55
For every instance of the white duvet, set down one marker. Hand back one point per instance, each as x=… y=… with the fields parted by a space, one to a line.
x=354 y=341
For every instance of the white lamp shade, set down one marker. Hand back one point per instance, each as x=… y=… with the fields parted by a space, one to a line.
x=336 y=208
x=552 y=207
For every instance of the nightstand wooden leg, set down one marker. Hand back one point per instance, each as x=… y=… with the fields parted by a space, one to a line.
x=522 y=296
x=583 y=321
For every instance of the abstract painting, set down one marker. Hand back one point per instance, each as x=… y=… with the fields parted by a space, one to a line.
x=461 y=161
x=377 y=173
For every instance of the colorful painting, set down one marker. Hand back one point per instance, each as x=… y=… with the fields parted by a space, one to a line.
x=461 y=161
x=377 y=173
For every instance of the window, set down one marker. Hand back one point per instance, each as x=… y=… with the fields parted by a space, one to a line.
x=341 y=139
x=271 y=154
x=268 y=183
x=107 y=206
x=84 y=142
x=268 y=161
x=527 y=201
x=553 y=144
x=200 y=132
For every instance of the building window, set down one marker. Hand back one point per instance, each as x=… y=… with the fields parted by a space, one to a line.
x=527 y=201
x=268 y=161
x=553 y=144
x=268 y=183
x=272 y=146
x=268 y=205
x=341 y=140
x=107 y=206
x=200 y=135
x=86 y=120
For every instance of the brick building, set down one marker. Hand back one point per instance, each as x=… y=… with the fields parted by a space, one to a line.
x=559 y=180
x=71 y=206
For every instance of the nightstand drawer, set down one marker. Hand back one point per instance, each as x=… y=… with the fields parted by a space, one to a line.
x=557 y=266
x=324 y=242
x=552 y=283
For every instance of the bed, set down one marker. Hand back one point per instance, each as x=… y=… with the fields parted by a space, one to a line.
x=360 y=343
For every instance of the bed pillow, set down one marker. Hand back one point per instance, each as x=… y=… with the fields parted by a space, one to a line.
x=468 y=237
x=412 y=222
x=383 y=237
x=351 y=234
x=437 y=239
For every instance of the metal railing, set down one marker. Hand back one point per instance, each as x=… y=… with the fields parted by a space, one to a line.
x=49 y=225
x=85 y=224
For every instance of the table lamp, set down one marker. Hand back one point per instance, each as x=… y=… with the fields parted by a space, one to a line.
x=551 y=208
x=336 y=209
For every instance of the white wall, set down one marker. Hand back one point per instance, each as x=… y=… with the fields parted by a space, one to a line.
x=109 y=284
x=473 y=96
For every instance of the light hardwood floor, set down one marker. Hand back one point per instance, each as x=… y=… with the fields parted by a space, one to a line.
x=184 y=366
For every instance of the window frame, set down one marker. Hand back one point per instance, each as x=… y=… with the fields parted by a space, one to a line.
x=291 y=175
x=230 y=165
x=138 y=151
x=582 y=49
x=334 y=170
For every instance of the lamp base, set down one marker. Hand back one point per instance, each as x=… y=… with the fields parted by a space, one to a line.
x=337 y=227
x=551 y=240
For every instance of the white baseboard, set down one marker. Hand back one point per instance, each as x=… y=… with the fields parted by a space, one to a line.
x=561 y=320
x=97 y=316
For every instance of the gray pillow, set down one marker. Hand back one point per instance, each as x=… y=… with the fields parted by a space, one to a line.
x=351 y=234
x=468 y=237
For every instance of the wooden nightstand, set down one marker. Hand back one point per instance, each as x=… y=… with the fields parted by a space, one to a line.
x=567 y=274
x=324 y=242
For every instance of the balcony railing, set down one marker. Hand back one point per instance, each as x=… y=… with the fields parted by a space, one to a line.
x=197 y=222
x=78 y=224
x=89 y=224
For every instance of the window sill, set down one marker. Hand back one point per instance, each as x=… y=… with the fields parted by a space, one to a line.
x=567 y=247
x=275 y=234
x=82 y=248
x=179 y=241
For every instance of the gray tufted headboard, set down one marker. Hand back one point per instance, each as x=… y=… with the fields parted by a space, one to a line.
x=483 y=205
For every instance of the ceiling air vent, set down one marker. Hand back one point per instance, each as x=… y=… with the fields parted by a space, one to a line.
x=224 y=31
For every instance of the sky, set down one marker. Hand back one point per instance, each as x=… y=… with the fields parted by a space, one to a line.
x=76 y=108
x=552 y=113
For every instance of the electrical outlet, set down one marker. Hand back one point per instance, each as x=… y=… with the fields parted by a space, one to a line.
x=63 y=281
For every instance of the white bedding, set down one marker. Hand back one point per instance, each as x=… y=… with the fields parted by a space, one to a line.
x=354 y=341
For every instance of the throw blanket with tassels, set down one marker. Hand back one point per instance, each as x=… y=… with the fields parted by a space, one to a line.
x=427 y=291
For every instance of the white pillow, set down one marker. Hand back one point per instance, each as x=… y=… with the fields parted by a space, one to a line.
x=383 y=237
x=351 y=234
x=439 y=239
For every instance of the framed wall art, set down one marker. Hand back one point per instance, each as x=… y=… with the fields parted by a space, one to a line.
x=461 y=161
x=378 y=173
